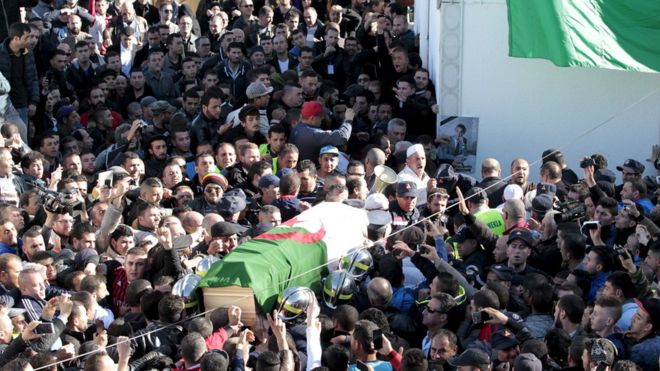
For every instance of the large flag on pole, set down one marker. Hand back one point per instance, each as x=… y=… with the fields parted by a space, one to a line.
x=616 y=34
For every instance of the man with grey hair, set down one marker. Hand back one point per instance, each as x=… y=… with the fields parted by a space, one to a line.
x=547 y=255
x=32 y=286
x=374 y=157
x=396 y=130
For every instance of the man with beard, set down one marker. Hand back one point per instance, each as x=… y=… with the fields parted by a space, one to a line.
x=88 y=165
x=435 y=207
x=74 y=31
x=414 y=170
x=206 y=124
x=162 y=111
x=157 y=159
x=101 y=117
x=520 y=174
x=214 y=186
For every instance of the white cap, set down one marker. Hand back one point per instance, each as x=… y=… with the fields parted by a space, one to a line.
x=379 y=217
x=376 y=201
x=512 y=191
x=415 y=148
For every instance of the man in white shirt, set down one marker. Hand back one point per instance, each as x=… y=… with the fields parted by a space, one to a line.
x=414 y=171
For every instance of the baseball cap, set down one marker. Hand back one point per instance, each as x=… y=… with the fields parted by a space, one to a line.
x=64 y=111
x=632 y=165
x=512 y=191
x=503 y=272
x=605 y=175
x=311 y=109
x=269 y=180
x=257 y=89
x=470 y=357
x=504 y=339
x=161 y=106
x=546 y=188
x=446 y=171
x=231 y=204
x=406 y=189
x=464 y=234
x=522 y=234
x=147 y=101
x=329 y=150
x=602 y=351
x=541 y=204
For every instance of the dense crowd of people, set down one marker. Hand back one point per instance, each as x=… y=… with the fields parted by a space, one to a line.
x=142 y=136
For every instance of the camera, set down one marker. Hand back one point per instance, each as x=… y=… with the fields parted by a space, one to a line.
x=571 y=210
x=56 y=202
x=621 y=251
x=588 y=226
x=587 y=162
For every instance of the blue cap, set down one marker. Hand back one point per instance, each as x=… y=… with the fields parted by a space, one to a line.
x=269 y=180
x=329 y=150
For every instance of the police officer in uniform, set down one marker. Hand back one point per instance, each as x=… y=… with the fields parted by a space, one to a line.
x=403 y=210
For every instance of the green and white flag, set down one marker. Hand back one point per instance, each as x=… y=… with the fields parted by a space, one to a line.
x=296 y=253
x=616 y=34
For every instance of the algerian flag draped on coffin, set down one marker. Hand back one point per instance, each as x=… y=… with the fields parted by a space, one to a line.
x=296 y=253
x=617 y=34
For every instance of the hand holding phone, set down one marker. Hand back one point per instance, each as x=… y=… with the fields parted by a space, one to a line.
x=378 y=339
x=479 y=317
x=44 y=328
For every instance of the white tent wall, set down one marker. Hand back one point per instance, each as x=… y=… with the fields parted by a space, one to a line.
x=528 y=105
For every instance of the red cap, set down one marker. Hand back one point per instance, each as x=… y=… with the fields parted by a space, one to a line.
x=311 y=109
